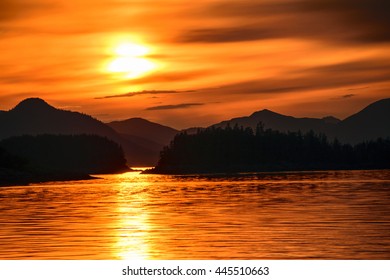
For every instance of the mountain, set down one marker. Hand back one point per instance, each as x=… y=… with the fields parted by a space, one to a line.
x=370 y=123
x=283 y=123
x=145 y=129
x=143 y=140
x=148 y=135
x=34 y=116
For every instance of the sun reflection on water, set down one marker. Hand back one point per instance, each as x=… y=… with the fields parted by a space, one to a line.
x=133 y=224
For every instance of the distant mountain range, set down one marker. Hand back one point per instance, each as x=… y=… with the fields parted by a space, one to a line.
x=34 y=116
x=142 y=140
x=150 y=137
x=369 y=124
x=282 y=123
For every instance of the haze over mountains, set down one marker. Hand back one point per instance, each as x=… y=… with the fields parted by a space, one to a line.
x=143 y=140
x=150 y=136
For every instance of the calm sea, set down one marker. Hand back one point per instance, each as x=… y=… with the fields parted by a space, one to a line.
x=297 y=215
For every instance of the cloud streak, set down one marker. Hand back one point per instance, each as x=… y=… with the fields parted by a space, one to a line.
x=175 y=106
x=336 y=21
x=347 y=74
x=144 y=92
x=14 y=9
x=228 y=34
x=168 y=77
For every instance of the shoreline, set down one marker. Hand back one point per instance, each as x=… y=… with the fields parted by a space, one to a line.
x=231 y=172
x=17 y=178
x=26 y=181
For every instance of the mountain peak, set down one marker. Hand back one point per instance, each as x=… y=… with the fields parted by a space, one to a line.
x=32 y=104
x=136 y=120
x=265 y=112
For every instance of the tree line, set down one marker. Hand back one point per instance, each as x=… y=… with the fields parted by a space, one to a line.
x=239 y=149
x=49 y=156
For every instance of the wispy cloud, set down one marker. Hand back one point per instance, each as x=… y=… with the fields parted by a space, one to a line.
x=359 y=88
x=345 y=96
x=131 y=94
x=176 y=106
x=347 y=74
x=228 y=34
x=359 y=21
x=172 y=76
x=14 y=9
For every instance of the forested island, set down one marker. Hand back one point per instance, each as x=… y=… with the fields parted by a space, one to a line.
x=28 y=159
x=239 y=149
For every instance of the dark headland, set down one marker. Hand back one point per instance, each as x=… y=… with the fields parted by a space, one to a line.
x=42 y=158
x=267 y=141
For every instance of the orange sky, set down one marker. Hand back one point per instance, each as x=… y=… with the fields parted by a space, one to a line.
x=212 y=59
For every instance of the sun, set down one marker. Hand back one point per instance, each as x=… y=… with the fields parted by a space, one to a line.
x=131 y=60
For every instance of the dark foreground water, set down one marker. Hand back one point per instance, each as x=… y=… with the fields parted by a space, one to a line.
x=302 y=215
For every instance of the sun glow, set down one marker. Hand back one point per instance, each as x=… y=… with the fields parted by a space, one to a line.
x=130 y=60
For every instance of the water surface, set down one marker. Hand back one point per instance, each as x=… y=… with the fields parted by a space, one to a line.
x=296 y=215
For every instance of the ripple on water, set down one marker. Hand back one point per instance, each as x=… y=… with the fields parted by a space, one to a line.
x=292 y=215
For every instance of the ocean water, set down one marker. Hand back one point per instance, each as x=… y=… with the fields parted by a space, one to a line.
x=293 y=215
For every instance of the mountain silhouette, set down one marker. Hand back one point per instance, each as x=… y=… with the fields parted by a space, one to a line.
x=150 y=137
x=33 y=105
x=144 y=129
x=282 y=123
x=368 y=124
x=143 y=140
x=34 y=116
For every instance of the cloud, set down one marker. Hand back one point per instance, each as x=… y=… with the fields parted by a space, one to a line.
x=351 y=89
x=359 y=21
x=351 y=74
x=10 y=9
x=370 y=17
x=176 y=106
x=172 y=76
x=228 y=34
x=347 y=74
x=346 y=96
x=14 y=9
x=131 y=94
x=357 y=66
